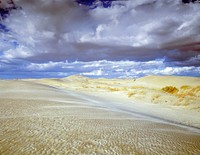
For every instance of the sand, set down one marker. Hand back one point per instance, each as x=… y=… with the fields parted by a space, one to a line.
x=165 y=97
x=40 y=119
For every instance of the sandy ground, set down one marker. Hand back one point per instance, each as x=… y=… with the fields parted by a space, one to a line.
x=176 y=99
x=39 y=119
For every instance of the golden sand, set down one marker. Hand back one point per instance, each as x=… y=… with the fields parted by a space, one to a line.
x=182 y=92
x=37 y=119
x=161 y=96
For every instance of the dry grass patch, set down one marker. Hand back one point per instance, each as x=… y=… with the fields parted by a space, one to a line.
x=137 y=87
x=155 y=98
x=85 y=86
x=124 y=89
x=112 y=89
x=196 y=90
x=170 y=89
x=130 y=94
x=185 y=87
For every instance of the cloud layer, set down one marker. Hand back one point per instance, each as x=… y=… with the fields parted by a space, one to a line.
x=95 y=69
x=45 y=33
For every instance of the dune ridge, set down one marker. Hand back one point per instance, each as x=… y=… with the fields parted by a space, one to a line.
x=169 y=95
x=169 y=90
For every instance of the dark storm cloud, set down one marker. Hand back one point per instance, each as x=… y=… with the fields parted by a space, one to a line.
x=61 y=29
x=50 y=31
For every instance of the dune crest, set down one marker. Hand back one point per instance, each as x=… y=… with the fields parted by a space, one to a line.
x=162 y=81
x=169 y=90
x=180 y=95
x=181 y=92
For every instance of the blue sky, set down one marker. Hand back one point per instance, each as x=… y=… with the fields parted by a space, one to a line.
x=59 y=38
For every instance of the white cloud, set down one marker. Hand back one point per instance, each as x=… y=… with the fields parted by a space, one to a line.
x=95 y=73
x=44 y=34
x=176 y=70
x=103 y=68
x=61 y=26
x=109 y=69
x=19 y=52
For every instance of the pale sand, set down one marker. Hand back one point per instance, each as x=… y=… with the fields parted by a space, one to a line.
x=38 y=119
x=176 y=99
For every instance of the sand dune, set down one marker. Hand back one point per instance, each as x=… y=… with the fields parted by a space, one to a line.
x=181 y=92
x=162 y=81
x=39 y=119
x=166 y=94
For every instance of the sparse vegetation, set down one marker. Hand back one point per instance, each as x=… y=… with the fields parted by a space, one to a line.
x=196 y=90
x=155 y=97
x=142 y=92
x=137 y=87
x=130 y=94
x=98 y=87
x=170 y=89
x=112 y=89
x=85 y=86
x=184 y=95
x=124 y=89
x=185 y=87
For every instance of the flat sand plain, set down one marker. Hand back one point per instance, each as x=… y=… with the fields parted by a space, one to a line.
x=38 y=119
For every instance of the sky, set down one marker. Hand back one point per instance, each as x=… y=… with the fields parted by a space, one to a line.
x=127 y=39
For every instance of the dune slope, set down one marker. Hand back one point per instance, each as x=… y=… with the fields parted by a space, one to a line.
x=40 y=119
x=160 y=96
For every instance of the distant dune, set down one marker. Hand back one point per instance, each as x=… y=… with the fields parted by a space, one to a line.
x=180 y=94
x=183 y=92
x=162 y=81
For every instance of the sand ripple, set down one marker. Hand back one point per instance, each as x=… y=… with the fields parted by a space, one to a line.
x=39 y=126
